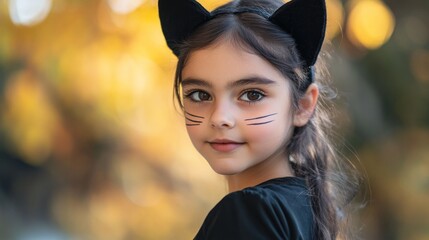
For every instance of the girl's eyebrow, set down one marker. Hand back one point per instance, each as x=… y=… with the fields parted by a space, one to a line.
x=241 y=82
x=193 y=81
x=251 y=81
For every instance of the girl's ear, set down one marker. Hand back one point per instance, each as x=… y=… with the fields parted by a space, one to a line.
x=306 y=105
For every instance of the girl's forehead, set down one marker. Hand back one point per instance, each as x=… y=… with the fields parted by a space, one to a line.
x=224 y=62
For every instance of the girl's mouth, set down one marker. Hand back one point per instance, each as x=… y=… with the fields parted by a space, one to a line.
x=224 y=145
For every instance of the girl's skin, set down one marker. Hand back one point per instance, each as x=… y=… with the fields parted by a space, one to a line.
x=239 y=114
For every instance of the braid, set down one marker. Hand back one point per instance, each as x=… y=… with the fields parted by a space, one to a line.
x=313 y=157
x=312 y=154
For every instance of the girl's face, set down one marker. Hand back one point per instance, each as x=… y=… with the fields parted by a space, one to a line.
x=238 y=110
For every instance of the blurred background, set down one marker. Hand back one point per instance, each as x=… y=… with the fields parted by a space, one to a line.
x=91 y=146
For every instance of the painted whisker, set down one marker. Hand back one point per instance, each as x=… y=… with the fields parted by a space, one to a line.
x=261 y=117
x=248 y=119
x=260 y=123
x=194 y=115
x=195 y=121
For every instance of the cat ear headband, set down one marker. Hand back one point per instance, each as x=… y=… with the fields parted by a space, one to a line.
x=304 y=20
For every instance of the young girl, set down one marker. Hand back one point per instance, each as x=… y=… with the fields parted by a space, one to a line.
x=251 y=94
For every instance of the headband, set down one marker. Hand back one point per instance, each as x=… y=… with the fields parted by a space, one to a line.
x=304 y=20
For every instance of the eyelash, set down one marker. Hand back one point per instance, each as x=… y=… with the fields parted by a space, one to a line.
x=188 y=95
x=262 y=93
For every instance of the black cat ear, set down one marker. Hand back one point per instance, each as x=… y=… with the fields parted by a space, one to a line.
x=305 y=21
x=179 y=18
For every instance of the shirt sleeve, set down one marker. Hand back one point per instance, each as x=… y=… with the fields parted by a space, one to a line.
x=246 y=215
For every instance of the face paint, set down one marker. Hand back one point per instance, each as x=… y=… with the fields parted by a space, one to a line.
x=263 y=118
x=226 y=90
x=194 y=122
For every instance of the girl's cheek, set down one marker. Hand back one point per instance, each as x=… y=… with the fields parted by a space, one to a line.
x=192 y=130
x=195 y=108
x=278 y=127
x=193 y=133
x=260 y=130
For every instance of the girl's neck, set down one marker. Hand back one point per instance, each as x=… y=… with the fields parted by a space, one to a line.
x=259 y=174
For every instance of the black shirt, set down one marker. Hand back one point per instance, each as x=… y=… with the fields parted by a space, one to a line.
x=279 y=208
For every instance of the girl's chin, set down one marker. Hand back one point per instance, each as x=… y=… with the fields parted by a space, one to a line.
x=226 y=170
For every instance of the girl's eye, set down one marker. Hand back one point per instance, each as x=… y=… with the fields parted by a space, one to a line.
x=199 y=96
x=252 y=96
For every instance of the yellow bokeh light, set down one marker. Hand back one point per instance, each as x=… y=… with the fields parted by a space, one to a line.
x=31 y=117
x=335 y=18
x=370 y=24
x=124 y=6
x=212 y=4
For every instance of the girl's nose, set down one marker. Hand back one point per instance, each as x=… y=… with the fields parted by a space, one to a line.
x=222 y=116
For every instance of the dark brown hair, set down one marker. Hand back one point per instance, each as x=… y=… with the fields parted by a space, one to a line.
x=311 y=154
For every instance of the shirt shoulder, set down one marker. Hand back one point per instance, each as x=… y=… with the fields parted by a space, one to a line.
x=272 y=210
